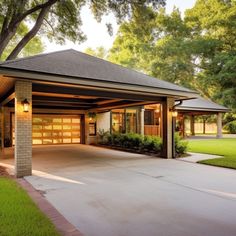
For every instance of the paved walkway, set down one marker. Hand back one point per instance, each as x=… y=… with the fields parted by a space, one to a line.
x=195 y=157
x=111 y=193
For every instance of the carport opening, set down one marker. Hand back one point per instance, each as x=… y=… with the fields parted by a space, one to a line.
x=68 y=115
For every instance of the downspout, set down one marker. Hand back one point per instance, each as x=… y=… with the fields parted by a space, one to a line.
x=178 y=104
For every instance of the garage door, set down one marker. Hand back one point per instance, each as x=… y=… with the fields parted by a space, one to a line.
x=55 y=129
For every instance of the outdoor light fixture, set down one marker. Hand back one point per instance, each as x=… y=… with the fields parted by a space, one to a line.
x=173 y=109
x=25 y=104
x=92 y=116
x=174 y=113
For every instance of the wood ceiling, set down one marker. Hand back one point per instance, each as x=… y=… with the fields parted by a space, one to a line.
x=6 y=84
x=73 y=98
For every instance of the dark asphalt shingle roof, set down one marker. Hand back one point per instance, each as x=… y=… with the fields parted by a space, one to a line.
x=80 y=65
x=201 y=104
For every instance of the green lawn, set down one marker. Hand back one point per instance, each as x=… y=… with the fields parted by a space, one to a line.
x=223 y=147
x=19 y=216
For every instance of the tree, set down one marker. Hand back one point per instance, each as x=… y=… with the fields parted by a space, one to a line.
x=57 y=19
x=100 y=52
x=157 y=47
x=197 y=51
x=213 y=27
x=134 y=46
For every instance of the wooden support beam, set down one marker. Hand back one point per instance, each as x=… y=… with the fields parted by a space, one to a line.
x=108 y=101
x=98 y=93
x=129 y=104
x=62 y=100
x=7 y=99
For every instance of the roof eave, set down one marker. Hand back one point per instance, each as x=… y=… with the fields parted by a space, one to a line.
x=202 y=109
x=39 y=76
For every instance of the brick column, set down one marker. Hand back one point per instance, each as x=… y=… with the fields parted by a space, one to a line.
x=219 y=125
x=167 y=128
x=23 y=129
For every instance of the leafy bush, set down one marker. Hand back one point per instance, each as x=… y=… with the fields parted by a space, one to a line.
x=103 y=135
x=231 y=127
x=181 y=145
x=157 y=143
x=132 y=141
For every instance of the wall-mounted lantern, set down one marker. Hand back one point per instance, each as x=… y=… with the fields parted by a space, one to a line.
x=174 y=113
x=92 y=116
x=25 y=104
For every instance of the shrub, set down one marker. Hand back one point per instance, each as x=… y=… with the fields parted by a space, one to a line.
x=157 y=144
x=181 y=145
x=132 y=141
x=102 y=136
x=231 y=127
x=148 y=143
x=140 y=142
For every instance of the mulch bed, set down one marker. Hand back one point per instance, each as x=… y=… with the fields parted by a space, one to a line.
x=153 y=154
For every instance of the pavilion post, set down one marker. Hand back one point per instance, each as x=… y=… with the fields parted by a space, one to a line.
x=142 y=121
x=192 y=128
x=204 y=125
x=184 y=133
x=167 y=128
x=219 y=125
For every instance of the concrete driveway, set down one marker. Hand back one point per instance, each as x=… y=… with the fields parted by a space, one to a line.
x=110 y=193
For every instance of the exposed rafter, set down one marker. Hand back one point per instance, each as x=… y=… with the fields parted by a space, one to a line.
x=7 y=98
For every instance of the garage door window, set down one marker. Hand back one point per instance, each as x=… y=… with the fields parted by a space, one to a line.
x=54 y=129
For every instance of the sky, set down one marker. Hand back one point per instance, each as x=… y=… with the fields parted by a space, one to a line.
x=97 y=34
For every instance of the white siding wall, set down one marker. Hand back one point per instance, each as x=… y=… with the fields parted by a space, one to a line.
x=104 y=121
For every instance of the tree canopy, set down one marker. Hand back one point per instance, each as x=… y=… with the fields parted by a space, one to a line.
x=197 y=51
x=100 y=52
x=58 y=20
x=34 y=46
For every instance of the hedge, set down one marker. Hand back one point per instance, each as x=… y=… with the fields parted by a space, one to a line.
x=140 y=143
